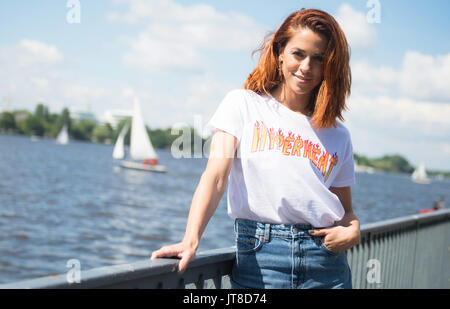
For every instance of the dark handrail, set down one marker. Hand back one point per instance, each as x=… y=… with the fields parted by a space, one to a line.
x=213 y=264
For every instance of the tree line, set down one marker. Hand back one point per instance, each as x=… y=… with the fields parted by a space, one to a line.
x=393 y=164
x=42 y=123
x=388 y=163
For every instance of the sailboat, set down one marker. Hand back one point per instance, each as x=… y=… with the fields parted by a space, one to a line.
x=63 y=136
x=420 y=175
x=141 y=147
x=119 y=149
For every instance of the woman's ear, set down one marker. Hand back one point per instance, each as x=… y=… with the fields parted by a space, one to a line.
x=280 y=67
x=280 y=62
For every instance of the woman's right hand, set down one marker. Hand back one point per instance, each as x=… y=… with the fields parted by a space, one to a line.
x=181 y=250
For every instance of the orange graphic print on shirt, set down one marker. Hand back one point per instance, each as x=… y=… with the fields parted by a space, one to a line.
x=266 y=139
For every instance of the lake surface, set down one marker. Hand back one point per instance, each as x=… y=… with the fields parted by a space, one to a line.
x=74 y=202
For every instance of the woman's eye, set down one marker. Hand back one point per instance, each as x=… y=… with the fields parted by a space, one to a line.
x=302 y=55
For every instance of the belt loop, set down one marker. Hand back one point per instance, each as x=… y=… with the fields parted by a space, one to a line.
x=235 y=225
x=267 y=232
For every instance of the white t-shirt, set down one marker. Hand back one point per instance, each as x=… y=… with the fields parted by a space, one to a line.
x=283 y=167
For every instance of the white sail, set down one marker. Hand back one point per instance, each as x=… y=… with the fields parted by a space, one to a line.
x=63 y=136
x=141 y=147
x=420 y=175
x=119 y=149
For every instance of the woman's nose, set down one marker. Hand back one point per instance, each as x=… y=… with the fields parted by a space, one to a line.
x=305 y=66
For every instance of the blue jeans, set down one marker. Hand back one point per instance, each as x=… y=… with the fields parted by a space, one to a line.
x=279 y=256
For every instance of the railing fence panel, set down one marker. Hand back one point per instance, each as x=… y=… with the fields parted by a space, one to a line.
x=408 y=252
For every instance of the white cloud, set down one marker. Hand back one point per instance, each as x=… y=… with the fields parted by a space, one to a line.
x=33 y=71
x=360 y=34
x=445 y=147
x=204 y=94
x=418 y=130
x=415 y=118
x=177 y=36
x=40 y=82
x=30 y=52
x=421 y=77
x=151 y=53
x=425 y=76
x=199 y=100
x=81 y=94
x=377 y=80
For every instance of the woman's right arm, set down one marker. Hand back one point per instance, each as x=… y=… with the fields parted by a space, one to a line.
x=206 y=198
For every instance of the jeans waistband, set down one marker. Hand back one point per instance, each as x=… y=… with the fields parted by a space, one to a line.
x=271 y=230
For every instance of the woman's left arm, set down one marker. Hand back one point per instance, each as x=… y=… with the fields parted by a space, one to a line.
x=346 y=234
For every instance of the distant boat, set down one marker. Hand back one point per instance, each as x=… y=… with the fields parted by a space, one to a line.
x=119 y=148
x=63 y=136
x=141 y=147
x=420 y=175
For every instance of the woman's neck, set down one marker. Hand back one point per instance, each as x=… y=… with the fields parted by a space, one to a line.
x=295 y=102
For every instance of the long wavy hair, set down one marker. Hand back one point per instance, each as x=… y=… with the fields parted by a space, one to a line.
x=327 y=100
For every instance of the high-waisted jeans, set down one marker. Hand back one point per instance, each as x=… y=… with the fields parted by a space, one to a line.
x=279 y=256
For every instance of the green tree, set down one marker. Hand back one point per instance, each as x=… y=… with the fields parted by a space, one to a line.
x=34 y=126
x=362 y=160
x=83 y=129
x=161 y=138
x=388 y=163
x=41 y=112
x=64 y=119
x=52 y=125
x=102 y=133
x=7 y=121
x=21 y=117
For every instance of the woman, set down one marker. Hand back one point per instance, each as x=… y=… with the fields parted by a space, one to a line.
x=289 y=163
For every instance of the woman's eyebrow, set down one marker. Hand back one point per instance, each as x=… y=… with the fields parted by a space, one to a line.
x=301 y=50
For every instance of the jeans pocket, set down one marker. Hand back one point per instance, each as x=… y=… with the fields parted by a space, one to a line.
x=319 y=242
x=248 y=243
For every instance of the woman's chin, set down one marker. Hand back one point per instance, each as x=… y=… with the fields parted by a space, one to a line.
x=301 y=90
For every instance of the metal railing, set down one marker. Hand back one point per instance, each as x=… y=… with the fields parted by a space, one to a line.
x=407 y=252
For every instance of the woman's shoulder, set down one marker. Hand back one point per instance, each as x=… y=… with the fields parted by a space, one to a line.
x=338 y=131
x=341 y=130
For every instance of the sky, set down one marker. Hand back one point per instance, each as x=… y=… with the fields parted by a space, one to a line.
x=181 y=57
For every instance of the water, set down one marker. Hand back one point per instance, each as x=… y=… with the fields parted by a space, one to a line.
x=73 y=202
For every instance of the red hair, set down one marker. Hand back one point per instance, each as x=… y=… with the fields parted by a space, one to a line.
x=328 y=99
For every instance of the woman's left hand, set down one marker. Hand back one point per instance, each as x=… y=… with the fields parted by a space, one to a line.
x=338 y=238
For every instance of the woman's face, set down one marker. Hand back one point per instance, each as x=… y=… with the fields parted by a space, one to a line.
x=302 y=61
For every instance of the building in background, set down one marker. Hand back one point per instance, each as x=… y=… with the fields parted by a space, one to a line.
x=113 y=117
x=80 y=115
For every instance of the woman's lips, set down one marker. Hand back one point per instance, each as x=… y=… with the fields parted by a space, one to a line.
x=302 y=80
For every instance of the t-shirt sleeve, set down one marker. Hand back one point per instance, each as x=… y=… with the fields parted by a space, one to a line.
x=228 y=116
x=346 y=174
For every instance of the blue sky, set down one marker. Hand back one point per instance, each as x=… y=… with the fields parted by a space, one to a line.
x=181 y=57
